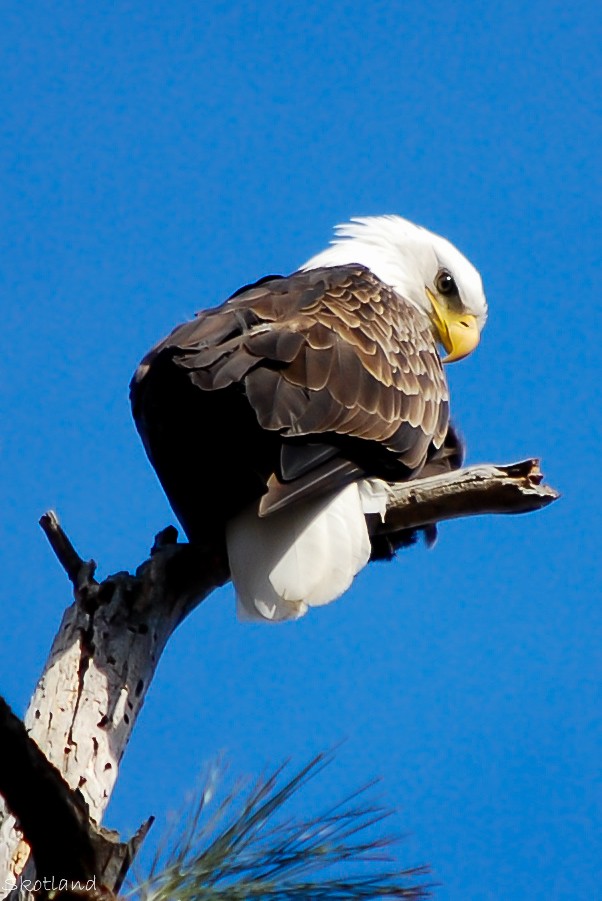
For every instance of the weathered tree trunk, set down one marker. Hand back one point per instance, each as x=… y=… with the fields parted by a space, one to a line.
x=111 y=638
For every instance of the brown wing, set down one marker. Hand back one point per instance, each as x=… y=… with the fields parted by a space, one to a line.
x=339 y=372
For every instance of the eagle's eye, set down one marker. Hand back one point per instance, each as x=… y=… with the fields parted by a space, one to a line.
x=445 y=283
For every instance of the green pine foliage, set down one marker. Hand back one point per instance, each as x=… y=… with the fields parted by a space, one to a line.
x=244 y=846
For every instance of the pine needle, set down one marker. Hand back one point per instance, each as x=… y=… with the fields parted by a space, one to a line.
x=245 y=849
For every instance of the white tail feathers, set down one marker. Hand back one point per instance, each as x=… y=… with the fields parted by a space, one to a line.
x=303 y=556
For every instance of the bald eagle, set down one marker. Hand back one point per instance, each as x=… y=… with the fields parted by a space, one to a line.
x=275 y=421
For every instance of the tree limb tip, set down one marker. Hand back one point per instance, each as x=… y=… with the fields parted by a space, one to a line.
x=473 y=491
x=79 y=571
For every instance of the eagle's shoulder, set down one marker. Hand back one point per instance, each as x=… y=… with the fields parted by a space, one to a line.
x=331 y=351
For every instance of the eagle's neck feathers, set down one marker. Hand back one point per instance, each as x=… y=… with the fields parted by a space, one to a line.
x=404 y=256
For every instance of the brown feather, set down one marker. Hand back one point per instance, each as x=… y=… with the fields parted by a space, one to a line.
x=331 y=358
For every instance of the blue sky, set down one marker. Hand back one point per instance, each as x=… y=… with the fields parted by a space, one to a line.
x=156 y=156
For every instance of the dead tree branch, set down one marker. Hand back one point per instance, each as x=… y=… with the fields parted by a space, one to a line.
x=111 y=638
x=66 y=846
x=53 y=818
x=474 y=491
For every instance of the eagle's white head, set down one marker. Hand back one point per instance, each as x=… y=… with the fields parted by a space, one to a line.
x=421 y=267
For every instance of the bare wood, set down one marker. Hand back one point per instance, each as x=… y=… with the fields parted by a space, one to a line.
x=78 y=571
x=111 y=638
x=54 y=819
x=65 y=844
x=100 y=666
x=474 y=491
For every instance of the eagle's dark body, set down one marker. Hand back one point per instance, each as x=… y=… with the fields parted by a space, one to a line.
x=292 y=389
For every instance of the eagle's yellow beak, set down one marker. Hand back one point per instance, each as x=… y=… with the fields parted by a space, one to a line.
x=457 y=331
